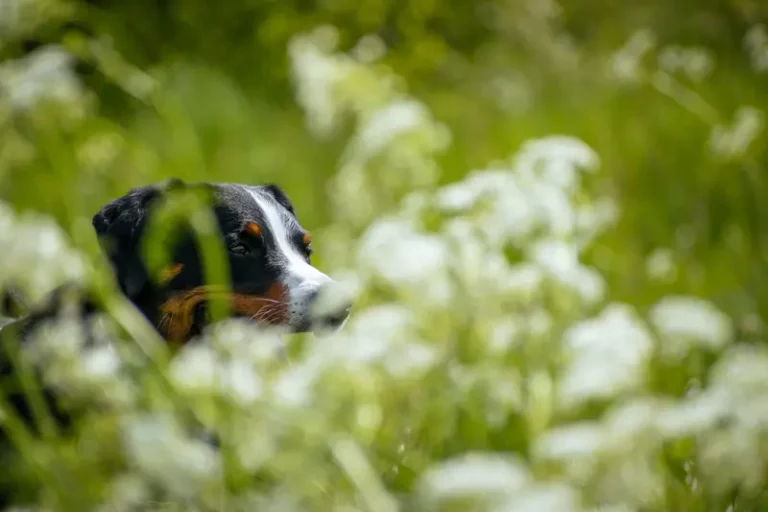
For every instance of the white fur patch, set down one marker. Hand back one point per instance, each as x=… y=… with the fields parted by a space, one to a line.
x=300 y=278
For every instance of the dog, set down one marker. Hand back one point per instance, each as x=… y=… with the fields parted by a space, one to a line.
x=268 y=254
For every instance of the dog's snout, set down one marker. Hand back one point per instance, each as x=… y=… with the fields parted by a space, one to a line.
x=329 y=307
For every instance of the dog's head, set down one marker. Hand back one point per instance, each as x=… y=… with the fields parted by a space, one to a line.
x=268 y=251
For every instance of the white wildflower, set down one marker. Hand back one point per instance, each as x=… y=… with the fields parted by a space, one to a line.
x=369 y=49
x=195 y=369
x=37 y=257
x=383 y=126
x=504 y=334
x=561 y=262
x=508 y=210
x=592 y=219
x=733 y=141
x=523 y=280
x=660 y=265
x=609 y=355
x=731 y=457
x=294 y=386
x=742 y=370
x=694 y=415
x=684 y=321
x=486 y=477
x=696 y=63
x=544 y=497
x=627 y=62
x=159 y=450
x=633 y=479
x=578 y=442
x=316 y=76
x=398 y=253
x=127 y=491
x=539 y=322
x=410 y=359
x=557 y=158
x=632 y=424
x=44 y=74
x=101 y=362
x=239 y=381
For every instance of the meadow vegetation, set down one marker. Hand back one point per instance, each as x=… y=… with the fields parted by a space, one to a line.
x=551 y=216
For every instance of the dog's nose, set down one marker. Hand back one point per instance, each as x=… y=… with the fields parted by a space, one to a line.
x=329 y=307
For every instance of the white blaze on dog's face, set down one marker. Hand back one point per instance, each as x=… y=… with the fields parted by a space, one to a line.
x=302 y=281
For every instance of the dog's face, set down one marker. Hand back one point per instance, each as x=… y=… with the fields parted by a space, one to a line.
x=268 y=251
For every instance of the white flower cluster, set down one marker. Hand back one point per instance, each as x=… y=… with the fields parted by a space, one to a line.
x=693 y=62
x=395 y=137
x=46 y=74
x=531 y=205
x=37 y=257
x=732 y=141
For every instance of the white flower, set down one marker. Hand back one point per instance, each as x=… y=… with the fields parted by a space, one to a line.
x=561 y=261
x=609 y=354
x=316 y=74
x=660 y=265
x=158 y=448
x=369 y=49
x=557 y=158
x=194 y=368
x=410 y=359
x=244 y=340
x=634 y=423
x=682 y=321
x=44 y=74
x=627 y=62
x=101 y=362
x=545 y=497
x=507 y=211
x=695 y=414
x=127 y=491
x=504 y=334
x=742 y=367
x=733 y=141
x=37 y=258
x=395 y=251
x=474 y=475
x=240 y=382
x=584 y=441
x=383 y=126
x=294 y=387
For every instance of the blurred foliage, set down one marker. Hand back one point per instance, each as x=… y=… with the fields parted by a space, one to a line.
x=670 y=95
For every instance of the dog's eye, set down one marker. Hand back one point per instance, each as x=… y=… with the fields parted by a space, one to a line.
x=308 y=250
x=239 y=248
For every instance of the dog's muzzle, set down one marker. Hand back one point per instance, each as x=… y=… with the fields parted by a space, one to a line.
x=329 y=308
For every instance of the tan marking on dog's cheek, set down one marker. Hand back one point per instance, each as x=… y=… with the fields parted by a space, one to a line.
x=270 y=308
x=177 y=314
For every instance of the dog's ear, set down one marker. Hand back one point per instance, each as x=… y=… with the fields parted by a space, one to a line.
x=119 y=226
x=279 y=196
